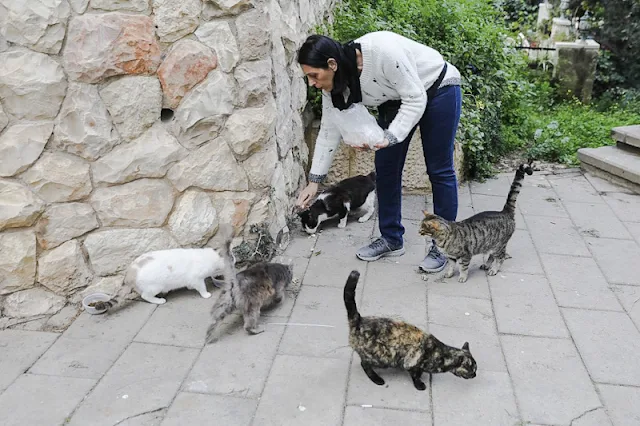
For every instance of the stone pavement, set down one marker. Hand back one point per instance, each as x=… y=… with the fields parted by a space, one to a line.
x=555 y=333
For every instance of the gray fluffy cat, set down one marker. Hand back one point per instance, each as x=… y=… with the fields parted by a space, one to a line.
x=484 y=233
x=259 y=287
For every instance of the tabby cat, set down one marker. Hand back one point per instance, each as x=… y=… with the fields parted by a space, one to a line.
x=259 y=287
x=386 y=343
x=487 y=232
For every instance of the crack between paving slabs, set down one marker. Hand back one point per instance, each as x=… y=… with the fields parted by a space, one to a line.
x=140 y=414
x=583 y=414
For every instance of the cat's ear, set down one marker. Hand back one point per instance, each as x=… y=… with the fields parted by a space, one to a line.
x=426 y=213
x=466 y=346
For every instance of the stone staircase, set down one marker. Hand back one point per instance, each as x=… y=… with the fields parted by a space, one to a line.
x=620 y=163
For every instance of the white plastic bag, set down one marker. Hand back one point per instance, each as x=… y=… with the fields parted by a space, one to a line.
x=357 y=126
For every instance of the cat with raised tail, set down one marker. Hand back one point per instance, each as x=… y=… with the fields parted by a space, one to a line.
x=259 y=287
x=486 y=232
x=162 y=271
x=385 y=343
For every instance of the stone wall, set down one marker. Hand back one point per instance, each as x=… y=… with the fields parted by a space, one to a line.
x=134 y=125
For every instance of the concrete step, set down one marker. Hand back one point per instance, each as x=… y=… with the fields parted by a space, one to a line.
x=628 y=135
x=615 y=163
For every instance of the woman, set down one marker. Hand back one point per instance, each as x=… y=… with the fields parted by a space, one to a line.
x=412 y=86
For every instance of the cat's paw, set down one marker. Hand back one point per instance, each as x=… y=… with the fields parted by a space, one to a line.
x=363 y=219
x=419 y=384
x=205 y=295
x=160 y=301
x=462 y=279
x=255 y=330
x=484 y=267
x=492 y=272
x=342 y=225
x=448 y=274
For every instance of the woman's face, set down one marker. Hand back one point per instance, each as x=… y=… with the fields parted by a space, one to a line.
x=320 y=78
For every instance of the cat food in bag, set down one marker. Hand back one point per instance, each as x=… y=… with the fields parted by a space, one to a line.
x=357 y=126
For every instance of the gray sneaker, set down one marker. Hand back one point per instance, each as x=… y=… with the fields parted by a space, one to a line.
x=434 y=261
x=377 y=249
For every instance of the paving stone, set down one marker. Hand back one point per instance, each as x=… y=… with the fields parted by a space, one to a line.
x=317 y=384
x=618 y=259
x=83 y=358
x=493 y=186
x=634 y=229
x=398 y=391
x=329 y=229
x=465 y=212
x=602 y=185
x=487 y=399
x=340 y=247
x=597 y=417
x=41 y=400
x=556 y=236
x=19 y=350
x=524 y=304
x=629 y=297
x=551 y=384
x=617 y=400
x=359 y=416
x=329 y=272
x=596 y=220
x=537 y=201
x=476 y=286
x=411 y=235
x=125 y=390
x=121 y=325
x=301 y=245
x=318 y=306
x=523 y=255
x=483 y=203
x=412 y=206
x=575 y=189
x=609 y=344
x=199 y=409
x=182 y=321
x=393 y=291
x=578 y=283
x=413 y=256
x=626 y=206
x=237 y=364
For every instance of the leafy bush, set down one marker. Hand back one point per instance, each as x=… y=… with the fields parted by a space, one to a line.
x=470 y=35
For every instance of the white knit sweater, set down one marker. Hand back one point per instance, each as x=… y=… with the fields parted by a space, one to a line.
x=393 y=67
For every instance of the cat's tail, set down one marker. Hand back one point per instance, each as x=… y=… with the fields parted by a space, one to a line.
x=510 y=204
x=226 y=231
x=350 y=297
x=121 y=294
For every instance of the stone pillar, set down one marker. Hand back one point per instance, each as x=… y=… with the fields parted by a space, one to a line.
x=575 y=68
x=544 y=13
x=560 y=29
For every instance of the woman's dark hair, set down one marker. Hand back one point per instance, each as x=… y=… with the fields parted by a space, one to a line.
x=318 y=49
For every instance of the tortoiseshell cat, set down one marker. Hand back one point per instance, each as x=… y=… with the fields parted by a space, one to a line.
x=487 y=232
x=386 y=343
x=259 y=287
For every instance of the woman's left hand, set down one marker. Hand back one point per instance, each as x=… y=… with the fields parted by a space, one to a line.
x=365 y=147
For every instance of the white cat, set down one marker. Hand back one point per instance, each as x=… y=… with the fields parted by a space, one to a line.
x=161 y=271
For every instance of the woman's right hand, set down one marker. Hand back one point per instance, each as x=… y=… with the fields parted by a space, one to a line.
x=307 y=195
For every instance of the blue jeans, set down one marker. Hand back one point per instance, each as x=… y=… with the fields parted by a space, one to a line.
x=438 y=127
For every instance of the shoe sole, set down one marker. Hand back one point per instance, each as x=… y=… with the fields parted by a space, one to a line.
x=433 y=271
x=393 y=253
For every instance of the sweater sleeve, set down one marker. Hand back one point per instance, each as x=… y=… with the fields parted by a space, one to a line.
x=401 y=71
x=326 y=143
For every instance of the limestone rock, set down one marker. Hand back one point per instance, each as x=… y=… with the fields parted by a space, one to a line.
x=62 y=222
x=202 y=113
x=64 y=270
x=18 y=261
x=134 y=104
x=58 y=177
x=249 y=128
x=18 y=206
x=37 y=24
x=21 y=145
x=32 y=85
x=141 y=203
x=104 y=45
x=106 y=285
x=3 y=43
x=253 y=34
x=111 y=251
x=280 y=201
x=84 y=126
x=211 y=167
x=129 y=5
x=176 y=19
x=217 y=8
x=218 y=36
x=233 y=208
x=32 y=302
x=186 y=65
x=148 y=156
x=79 y=6
x=4 y=119
x=254 y=82
x=194 y=220
x=260 y=165
x=259 y=213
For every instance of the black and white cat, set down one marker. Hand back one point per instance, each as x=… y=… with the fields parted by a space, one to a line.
x=341 y=199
